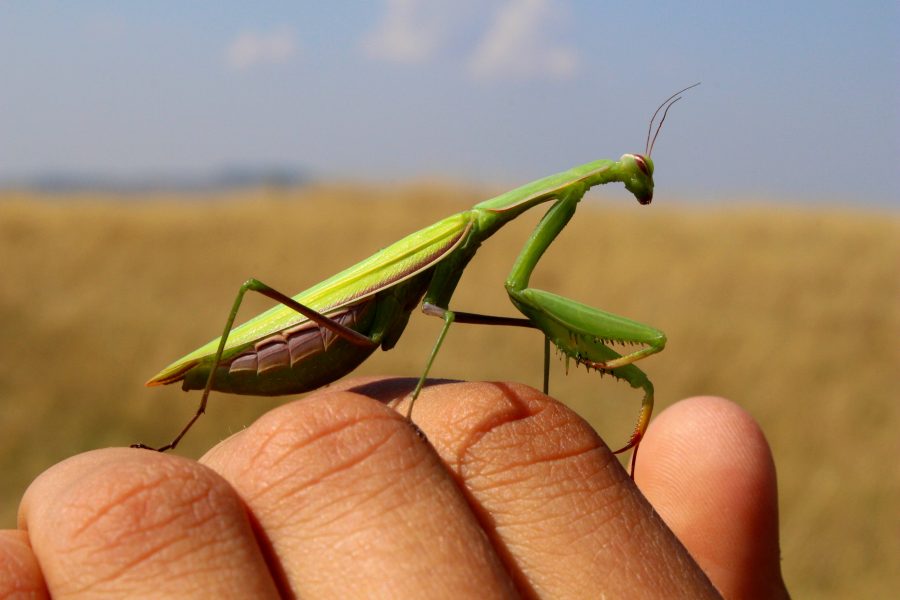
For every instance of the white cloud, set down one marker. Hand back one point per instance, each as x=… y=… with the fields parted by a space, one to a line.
x=250 y=48
x=515 y=45
x=412 y=31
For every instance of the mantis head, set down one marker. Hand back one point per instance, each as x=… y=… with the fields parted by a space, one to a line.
x=637 y=175
x=636 y=170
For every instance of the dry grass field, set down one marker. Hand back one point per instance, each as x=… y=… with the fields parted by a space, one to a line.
x=793 y=313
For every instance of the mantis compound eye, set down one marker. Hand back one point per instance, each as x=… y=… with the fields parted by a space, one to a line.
x=642 y=165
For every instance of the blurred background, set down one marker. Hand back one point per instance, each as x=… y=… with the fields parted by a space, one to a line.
x=154 y=155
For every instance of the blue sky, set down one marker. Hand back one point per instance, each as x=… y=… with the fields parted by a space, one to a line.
x=799 y=100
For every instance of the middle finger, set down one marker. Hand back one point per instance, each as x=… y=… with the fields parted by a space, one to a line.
x=352 y=503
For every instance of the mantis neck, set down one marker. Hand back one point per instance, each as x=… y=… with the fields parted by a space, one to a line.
x=517 y=201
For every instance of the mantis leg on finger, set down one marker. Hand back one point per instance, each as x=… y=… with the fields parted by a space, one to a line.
x=449 y=317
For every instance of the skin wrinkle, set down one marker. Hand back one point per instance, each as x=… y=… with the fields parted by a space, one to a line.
x=285 y=453
x=390 y=488
x=287 y=428
x=130 y=566
x=373 y=523
x=116 y=502
x=135 y=492
x=544 y=460
x=367 y=495
x=136 y=501
x=562 y=457
x=112 y=575
x=176 y=553
x=502 y=420
x=156 y=524
x=536 y=546
x=542 y=496
x=124 y=539
x=335 y=470
x=516 y=411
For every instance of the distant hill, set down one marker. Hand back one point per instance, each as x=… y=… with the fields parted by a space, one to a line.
x=229 y=177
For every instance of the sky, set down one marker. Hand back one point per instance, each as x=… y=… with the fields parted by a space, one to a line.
x=799 y=100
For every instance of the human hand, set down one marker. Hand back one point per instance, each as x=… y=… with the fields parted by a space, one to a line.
x=335 y=495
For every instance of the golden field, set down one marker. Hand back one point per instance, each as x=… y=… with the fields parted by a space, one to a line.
x=794 y=313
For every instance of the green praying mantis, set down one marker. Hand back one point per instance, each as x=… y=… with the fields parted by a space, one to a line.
x=323 y=333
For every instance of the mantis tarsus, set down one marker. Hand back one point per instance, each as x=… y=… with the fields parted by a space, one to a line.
x=325 y=332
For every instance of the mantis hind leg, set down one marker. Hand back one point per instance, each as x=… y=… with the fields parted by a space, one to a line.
x=354 y=337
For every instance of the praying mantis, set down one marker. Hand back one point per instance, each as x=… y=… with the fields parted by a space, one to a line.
x=320 y=335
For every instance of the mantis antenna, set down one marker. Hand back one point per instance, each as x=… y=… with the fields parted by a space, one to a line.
x=665 y=106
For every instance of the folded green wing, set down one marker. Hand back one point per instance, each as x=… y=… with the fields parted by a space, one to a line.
x=399 y=261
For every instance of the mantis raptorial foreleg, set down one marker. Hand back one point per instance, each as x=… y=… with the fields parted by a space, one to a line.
x=580 y=331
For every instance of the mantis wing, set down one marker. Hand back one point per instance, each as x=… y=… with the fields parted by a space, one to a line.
x=388 y=267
